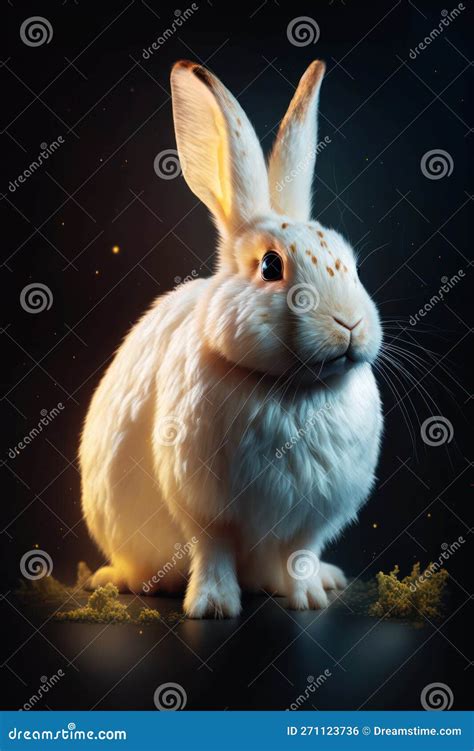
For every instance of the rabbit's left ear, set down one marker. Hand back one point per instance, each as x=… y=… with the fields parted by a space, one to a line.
x=291 y=166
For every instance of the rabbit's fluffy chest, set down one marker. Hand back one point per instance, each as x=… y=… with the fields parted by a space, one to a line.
x=273 y=466
x=307 y=461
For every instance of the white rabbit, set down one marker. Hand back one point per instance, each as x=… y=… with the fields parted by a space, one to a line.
x=240 y=417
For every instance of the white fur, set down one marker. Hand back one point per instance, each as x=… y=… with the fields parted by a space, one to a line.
x=183 y=439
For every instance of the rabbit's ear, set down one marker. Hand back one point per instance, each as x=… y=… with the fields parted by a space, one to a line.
x=291 y=166
x=220 y=155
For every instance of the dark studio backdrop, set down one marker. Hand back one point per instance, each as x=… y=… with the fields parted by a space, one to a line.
x=106 y=224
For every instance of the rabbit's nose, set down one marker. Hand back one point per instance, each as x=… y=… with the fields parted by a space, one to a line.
x=345 y=324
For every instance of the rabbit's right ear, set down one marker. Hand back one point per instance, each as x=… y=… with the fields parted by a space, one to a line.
x=220 y=155
x=291 y=165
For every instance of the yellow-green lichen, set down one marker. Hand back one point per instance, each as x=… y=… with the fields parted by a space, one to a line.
x=148 y=615
x=416 y=596
x=103 y=606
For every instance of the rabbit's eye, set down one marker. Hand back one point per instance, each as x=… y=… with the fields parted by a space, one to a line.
x=271 y=267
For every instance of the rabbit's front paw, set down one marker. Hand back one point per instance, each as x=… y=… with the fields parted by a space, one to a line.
x=307 y=594
x=331 y=576
x=212 y=599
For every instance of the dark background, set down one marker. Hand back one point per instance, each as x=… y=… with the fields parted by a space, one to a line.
x=383 y=111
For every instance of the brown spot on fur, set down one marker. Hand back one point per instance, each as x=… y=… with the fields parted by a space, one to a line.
x=284 y=225
x=239 y=121
x=330 y=271
x=293 y=248
x=314 y=259
x=305 y=91
x=338 y=264
x=301 y=101
x=324 y=244
x=308 y=252
x=318 y=232
x=237 y=133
